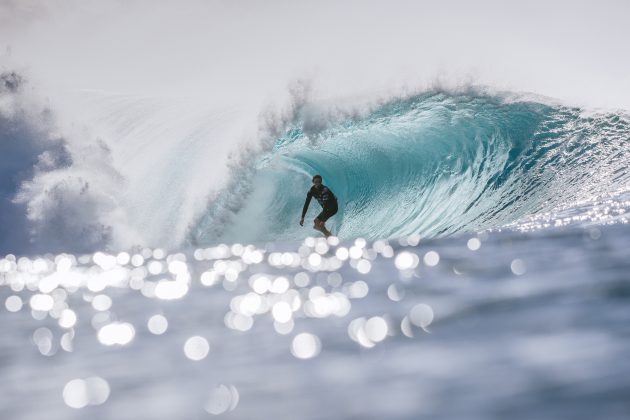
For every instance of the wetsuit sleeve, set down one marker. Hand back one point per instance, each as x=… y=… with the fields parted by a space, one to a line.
x=306 y=203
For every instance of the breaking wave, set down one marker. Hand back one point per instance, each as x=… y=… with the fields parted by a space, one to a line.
x=157 y=172
x=435 y=164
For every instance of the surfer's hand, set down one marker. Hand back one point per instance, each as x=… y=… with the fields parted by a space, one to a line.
x=302 y=221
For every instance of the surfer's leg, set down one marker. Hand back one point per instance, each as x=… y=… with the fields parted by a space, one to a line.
x=320 y=226
x=320 y=220
x=325 y=231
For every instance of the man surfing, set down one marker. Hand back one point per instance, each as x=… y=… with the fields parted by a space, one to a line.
x=326 y=199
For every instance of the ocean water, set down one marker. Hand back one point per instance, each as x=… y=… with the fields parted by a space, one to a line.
x=479 y=267
x=509 y=324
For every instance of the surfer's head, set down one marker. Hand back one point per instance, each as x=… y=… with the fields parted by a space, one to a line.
x=317 y=179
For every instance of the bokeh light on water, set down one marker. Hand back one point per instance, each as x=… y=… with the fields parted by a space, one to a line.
x=116 y=333
x=318 y=303
x=13 y=303
x=196 y=348
x=305 y=346
x=79 y=393
x=222 y=398
x=157 y=324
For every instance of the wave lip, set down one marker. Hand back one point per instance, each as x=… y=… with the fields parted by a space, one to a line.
x=434 y=164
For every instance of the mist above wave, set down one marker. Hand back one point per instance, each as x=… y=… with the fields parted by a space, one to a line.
x=55 y=193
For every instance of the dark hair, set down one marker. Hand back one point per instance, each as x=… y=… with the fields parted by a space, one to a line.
x=317 y=176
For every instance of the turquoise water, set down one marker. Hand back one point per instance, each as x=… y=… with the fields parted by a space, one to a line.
x=434 y=164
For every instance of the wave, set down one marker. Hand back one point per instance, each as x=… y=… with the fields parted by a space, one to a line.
x=154 y=171
x=434 y=164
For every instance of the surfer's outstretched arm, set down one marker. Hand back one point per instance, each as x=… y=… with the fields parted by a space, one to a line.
x=305 y=208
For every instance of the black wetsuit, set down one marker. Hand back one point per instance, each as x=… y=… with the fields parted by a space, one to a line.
x=325 y=198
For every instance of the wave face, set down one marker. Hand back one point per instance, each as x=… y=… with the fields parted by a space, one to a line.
x=435 y=164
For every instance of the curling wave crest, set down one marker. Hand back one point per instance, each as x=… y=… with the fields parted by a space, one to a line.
x=434 y=164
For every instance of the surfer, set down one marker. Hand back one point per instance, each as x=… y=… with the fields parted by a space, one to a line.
x=326 y=199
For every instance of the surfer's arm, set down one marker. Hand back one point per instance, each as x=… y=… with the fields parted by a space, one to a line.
x=306 y=204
